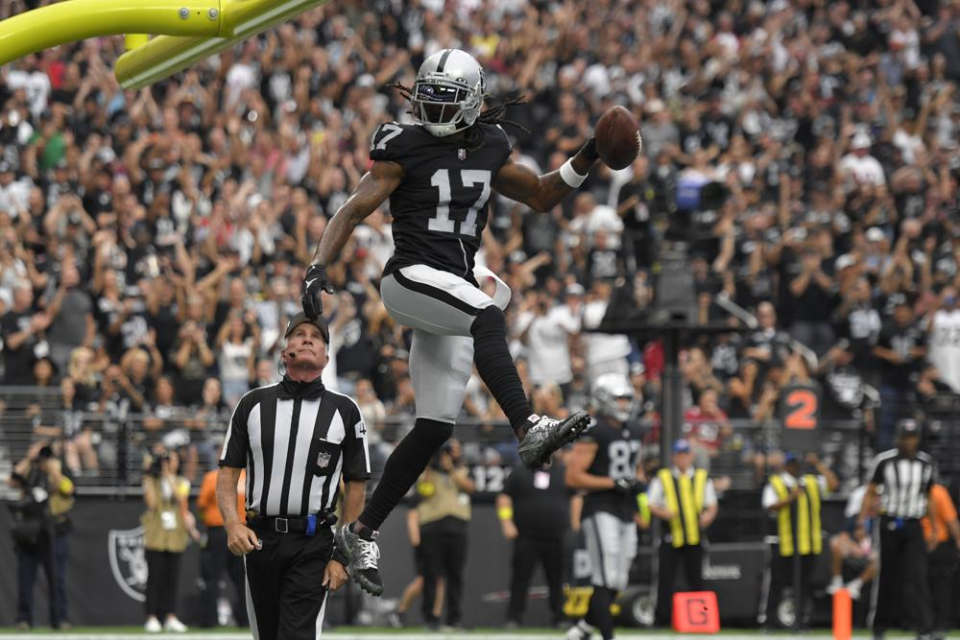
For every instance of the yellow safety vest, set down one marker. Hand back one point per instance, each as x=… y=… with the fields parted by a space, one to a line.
x=808 y=530
x=685 y=498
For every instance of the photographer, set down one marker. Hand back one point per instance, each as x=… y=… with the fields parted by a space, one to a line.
x=41 y=532
x=444 y=511
x=166 y=525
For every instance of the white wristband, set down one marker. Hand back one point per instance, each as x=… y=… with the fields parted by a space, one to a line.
x=569 y=175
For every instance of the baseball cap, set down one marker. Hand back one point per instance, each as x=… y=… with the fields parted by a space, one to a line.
x=908 y=427
x=681 y=446
x=861 y=141
x=575 y=289
x=875 y=234
x=301 y=318
x=844 y=261
x=790 y=456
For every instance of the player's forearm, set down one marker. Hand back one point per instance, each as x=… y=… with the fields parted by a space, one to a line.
x=227 y=480
x=553 y=189
x=339 y=230
x=375 y=187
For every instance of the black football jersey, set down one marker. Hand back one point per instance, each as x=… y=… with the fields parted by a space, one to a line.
x=618 y=455
x=440 y=208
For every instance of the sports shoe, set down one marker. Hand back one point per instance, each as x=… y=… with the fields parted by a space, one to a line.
x=153 y=625
x=546 y=435
x=363 y=556
x=835 y=585
x=174 y=625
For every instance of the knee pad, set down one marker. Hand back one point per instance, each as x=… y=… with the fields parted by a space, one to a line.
x=430 y=433
x=489 y=321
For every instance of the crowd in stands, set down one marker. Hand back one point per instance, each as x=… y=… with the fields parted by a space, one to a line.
x=153 y=242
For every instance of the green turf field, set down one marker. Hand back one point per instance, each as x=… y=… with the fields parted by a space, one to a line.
x=359 y=633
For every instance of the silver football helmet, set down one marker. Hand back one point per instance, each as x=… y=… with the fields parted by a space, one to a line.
x=613 y=396
x=448 y=92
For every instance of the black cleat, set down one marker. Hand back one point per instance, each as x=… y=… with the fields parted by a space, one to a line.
x=363 y=556
x=546 y=435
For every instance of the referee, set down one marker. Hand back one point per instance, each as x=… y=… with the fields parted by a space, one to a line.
x=295 y=439
x=907 y=477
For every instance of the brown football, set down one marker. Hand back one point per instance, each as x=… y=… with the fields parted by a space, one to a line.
x=618 y=138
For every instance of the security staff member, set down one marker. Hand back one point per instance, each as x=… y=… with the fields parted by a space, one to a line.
x=907 y=476
x=444 y=512
x=795 y=500
x=534 y=512
x=295 y=439
x=685 y=499
x=943 y=557
x=215 y=557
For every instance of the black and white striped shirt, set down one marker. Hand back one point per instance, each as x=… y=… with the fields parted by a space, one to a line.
x=295 y=448
x=905 y=482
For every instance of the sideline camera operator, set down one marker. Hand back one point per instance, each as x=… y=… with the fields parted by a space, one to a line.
x=41 y=532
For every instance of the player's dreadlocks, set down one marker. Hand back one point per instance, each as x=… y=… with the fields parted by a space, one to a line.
x=494 y=115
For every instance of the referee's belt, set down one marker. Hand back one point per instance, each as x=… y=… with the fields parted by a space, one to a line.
x=308 y=525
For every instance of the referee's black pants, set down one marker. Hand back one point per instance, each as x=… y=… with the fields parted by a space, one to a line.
x=284 y=598
x=527 y=554
x=691 y=556
x=943 y=564
x=904 y=589
x=444 y=545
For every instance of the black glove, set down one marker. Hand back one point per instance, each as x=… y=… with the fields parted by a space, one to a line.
x=313 y=283
x=628 y=487
x=589 y=149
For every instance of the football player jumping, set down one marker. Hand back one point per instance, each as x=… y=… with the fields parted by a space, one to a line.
x=439 y=175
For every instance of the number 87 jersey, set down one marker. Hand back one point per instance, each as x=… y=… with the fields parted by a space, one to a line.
x=440 y=208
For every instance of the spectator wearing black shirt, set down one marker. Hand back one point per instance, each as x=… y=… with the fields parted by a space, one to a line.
x=637 y=205
x=813 y=302
x=534 y=512
x=900 y=348
x=767 y=345
x=860 y=324
x=22 y=331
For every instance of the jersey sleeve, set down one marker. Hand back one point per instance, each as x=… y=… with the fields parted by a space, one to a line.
x=356 y=453
x=391 y=142
x=876 y=474
x=237 y=442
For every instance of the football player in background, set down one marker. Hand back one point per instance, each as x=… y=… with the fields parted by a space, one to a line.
x=439 y=175
x=605 y=465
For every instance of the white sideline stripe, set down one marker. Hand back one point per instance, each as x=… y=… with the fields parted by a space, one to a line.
x=341 y=635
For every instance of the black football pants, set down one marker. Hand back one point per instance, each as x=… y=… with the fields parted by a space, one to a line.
x=527 y=554
x=903 y=584
x=284 y=598
x=691 y=556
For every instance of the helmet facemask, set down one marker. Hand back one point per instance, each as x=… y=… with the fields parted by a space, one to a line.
x=446 y=106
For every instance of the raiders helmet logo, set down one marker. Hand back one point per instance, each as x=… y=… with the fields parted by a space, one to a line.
x=462 y=154
x=128 y=562
x=323 y=460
